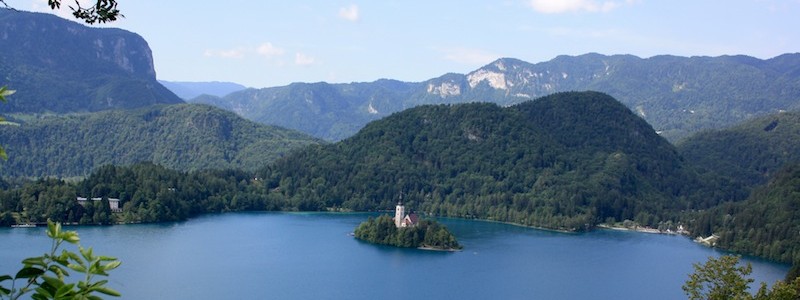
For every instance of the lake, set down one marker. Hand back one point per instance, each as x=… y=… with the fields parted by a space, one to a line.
x=311 y=255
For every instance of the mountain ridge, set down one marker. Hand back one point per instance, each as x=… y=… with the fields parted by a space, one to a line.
x=677 y=95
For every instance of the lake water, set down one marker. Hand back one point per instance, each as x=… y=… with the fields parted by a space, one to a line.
x=311 y=255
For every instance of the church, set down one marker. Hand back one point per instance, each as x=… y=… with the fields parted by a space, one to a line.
x=401 y=219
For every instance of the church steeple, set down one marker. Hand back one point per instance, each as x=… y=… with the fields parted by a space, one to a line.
x=399 y=213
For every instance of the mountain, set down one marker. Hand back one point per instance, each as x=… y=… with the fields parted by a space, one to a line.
x=188 y=90
x=566 y=161
x=746 y=155
x=328 y=111
x=677 y=95
x=60 y=66
x=182 y=137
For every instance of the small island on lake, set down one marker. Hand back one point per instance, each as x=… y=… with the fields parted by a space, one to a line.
x=408 y=231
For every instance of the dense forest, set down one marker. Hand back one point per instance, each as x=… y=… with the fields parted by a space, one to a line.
x=745 y=155
x=568 y=161
x=182 y=137
x=766 y=224
x=752 y=168
x=147 y=193
x=426 y=234
x=519 y=164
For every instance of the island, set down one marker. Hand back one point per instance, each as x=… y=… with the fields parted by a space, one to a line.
x=407 y=231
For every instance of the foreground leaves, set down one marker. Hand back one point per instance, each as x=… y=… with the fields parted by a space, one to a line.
x=44 y=276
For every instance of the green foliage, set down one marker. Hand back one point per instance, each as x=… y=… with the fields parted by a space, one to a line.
x=719 y=279
x=103 y=11
x=723 y=278
x=737 y=159
x=567 y=161
x=766 y=224
x=427 y=233
x=46 y=276
x=147 y=192
x=183 y=137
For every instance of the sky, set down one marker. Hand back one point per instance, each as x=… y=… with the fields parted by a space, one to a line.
x=274 y=43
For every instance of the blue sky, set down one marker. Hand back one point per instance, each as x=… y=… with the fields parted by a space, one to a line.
x=273 y=43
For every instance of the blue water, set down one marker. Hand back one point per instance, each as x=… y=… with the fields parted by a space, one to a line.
x=311 y=255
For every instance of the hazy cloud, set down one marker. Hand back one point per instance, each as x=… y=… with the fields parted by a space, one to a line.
x=267 y=49
x=469 y=56
x=349 y=13
x=302 y=59
x=231 y=53
x=564 y=6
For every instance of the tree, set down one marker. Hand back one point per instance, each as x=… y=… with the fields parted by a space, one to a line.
x=719 y=278
x=103 y=11
x=46 y=275
x=723 y=278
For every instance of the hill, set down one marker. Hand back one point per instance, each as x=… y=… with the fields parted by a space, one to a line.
x=677 y=95
x=766 y=224
x=60 y=66
x=566 y=161
x=188 y=90
x=745 y=155
x=182 y=137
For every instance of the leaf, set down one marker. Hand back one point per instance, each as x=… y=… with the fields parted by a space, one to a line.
x=106 y=258
x=107 y=291
x=40 y=291
x=5 y=277
x=74 y=256
x=29 y=273
x=77 y=268
x=55 y=282
x=70 y=236
x=65 y=290
x=38 y=297
x=58 y=270
x=112 y=265
x=34 y=261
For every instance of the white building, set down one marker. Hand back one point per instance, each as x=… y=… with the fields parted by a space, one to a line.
x=113 y=203
x=401 y=219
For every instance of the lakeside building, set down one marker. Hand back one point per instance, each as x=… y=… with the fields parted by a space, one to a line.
x=113 y=203
x=401 y=219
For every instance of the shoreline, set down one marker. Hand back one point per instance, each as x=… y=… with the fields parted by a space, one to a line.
x=642 y=230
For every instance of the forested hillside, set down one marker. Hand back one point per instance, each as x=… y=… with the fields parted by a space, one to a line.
x=678 y=96
x=567 y=161
x=738 y=158
x=60 y=66
x=181 y=137
x=766 y=224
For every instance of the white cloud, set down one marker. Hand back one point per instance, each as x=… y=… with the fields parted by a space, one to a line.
x=302 y=59
x=563 y=6
x=349 y=13
x=267 y=49
x=468 y=56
